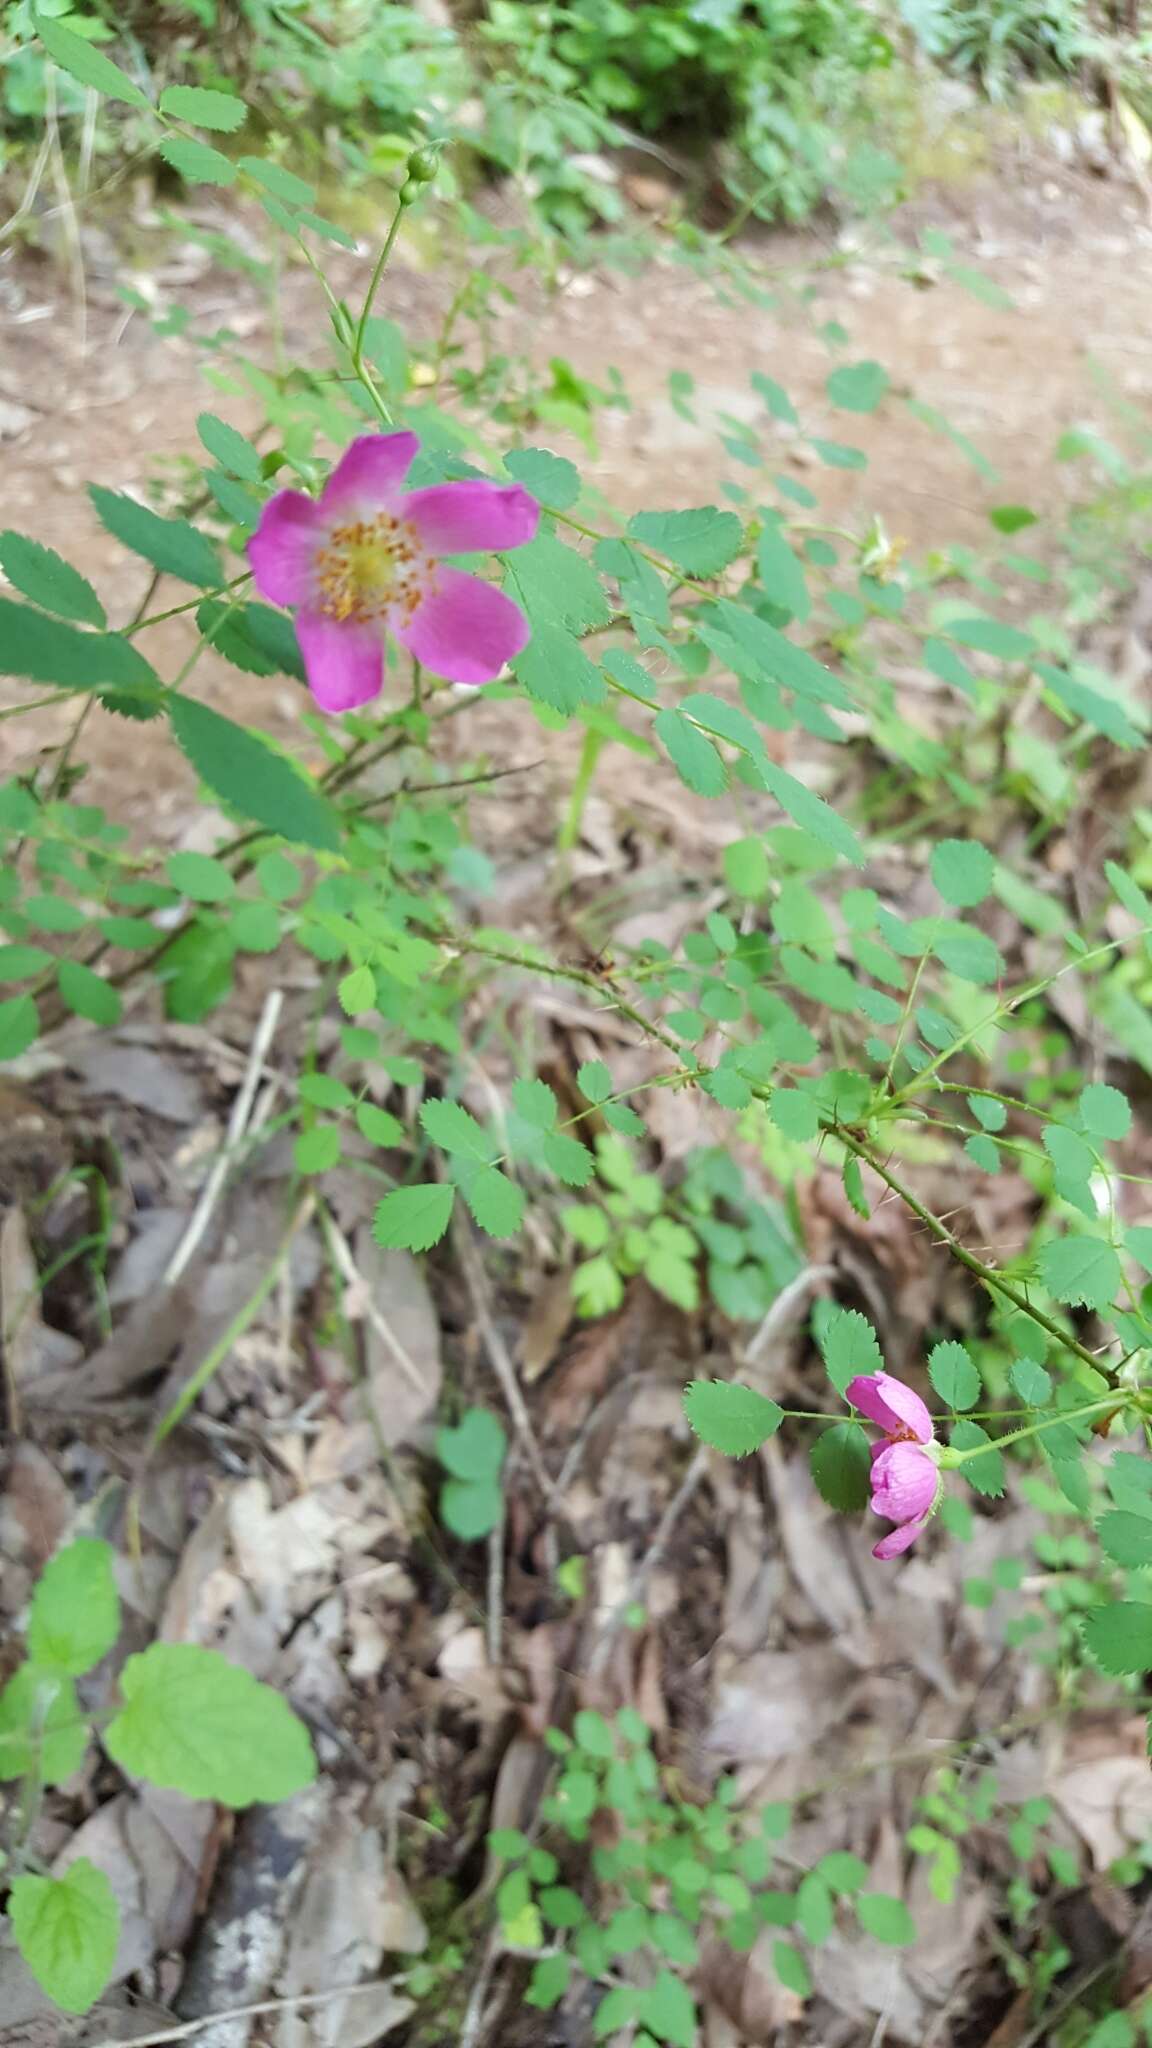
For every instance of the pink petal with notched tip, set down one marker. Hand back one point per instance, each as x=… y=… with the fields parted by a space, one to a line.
x=890 y=1403
x=344 y=663
x=369 y=474
x=463 y=629
x=471 y=517
x=284 y=545
x=904 y=1481
x=898 y=1540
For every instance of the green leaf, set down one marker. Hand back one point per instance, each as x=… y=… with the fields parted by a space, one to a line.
x=280 y=183
x=843 y=1872
x=568 y=1159
x=1031 y=1382
x=791 y=1969
x=378 y=1126
x=40 y=1720
x=44 y=650
x=1011 y=518
x=858 y=387
x=255 y=928
x=557 y=586
x=667 y=2010
x=701 y=542
x=556 y=671
x=317 y=1150
x=194 y=1722
x=886 y=1919
x=836 y=454
x=782 y=574
x=19 y=1026
x=850 y=1347
x=277 y=876
x=594 y=1081
x=87 y=994
x=991 y=636
x=357 y=992
x=470 y=1508
x=1126 y=1538
x=449 y=1125
x=775 y=398
x=815 y=1911
x=963 y=871
x=67 y=1929
x=795 y=1113
x=731 y=1418
x=983 y=1153
x=171 y=545
x=495 y=1201
x=1103 y=713
x=551 y=478
x=1119 y=1637
x=196 y=163
x=746 y=867
x=414 y=1218
x=548 y=1982
x=475 y=1448
x=986 y=1472
x=841 y=1462
x=1080 y=1270
x=17 y=963
x=221 y=111
x=1105 y=1111
x=201 y=877
x=44 y=576
x=89 y=66
x=954 y=1376
x=75 y=1616
x=692 y=754
x=944 y=662
x=535 y=1102
x=229 y=448
x=811 y=812
x=249 y=775
x=987 y=1111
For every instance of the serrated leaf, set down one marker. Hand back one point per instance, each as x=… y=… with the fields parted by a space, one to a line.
x=594 y=1081
x=841 y=1461
x=1105 y=1111
x=557 y=586
x=67 y=1929
x=201 y=877
x=1119 y=1637
x=693 y=755
x=196 y=162
x=40 y=649
x=77 y=56
x=954 y=1376
x=44 y=576
x=357 y=992
x=1126 y=1538
x=248 y=774
x=41 y=1726
x=987 y=1111
x=967 y=953
x=858 y=387
x=568 y=1159
x=221 y=111
x=551 y=478
x=171 y=545
x=1082 y=1270
x=731 y=1418
x=782 y=574
x=194 y=1722
x=702 y=542
x=282 y=184
x=850 y=1346
x=378 y=1126
x=983 y=1152
x=75 y=1617
x=317 y=1150
x=986 y=1471
x=412 y=1219
x=535 y=1102
x=495 y=1201
x=229 y=448
x=1031 y=1382
x=555 y=669
x=811 y=813
x=963 y=871
x=450 y=1126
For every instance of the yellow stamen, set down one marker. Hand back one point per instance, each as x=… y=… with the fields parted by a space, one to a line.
x=367 y=568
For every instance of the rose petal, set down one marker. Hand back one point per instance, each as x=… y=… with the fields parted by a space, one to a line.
x=344 y=663
x=471 y=517
x=889 y=1402
x=369 y=473
x=905 y=1483
x=464 y=629
x=283 y=546
x=898 y=1540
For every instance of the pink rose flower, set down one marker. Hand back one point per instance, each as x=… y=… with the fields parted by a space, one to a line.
x=905 y=1480
x=364 y=559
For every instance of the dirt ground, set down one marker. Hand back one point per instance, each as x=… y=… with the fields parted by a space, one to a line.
x=276 y=1527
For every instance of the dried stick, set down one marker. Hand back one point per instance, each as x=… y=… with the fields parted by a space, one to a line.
x=237 y=1125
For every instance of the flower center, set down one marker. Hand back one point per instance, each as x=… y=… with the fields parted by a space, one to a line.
x=367 y=568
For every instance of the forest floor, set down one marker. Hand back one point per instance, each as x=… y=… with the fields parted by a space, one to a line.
x=270 y=1527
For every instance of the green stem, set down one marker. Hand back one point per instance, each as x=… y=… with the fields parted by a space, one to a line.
x=951 y=1459
x=589 y=756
